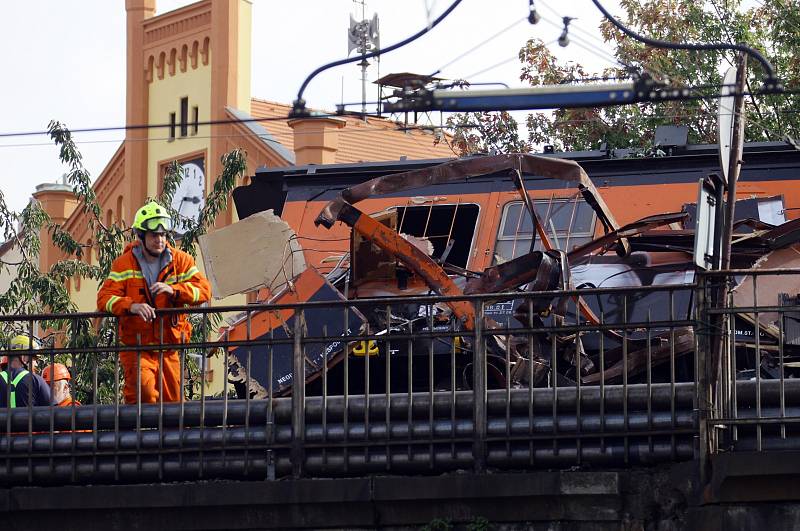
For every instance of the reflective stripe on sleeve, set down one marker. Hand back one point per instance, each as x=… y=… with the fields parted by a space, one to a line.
x=192 y=271
x=195 y=293
x=119 y=276
x=110 y=303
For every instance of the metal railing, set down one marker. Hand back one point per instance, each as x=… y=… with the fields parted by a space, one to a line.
x=754 y=349
x=394 y=385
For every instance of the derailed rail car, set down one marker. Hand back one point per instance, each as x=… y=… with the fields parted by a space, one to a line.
x=514 y=222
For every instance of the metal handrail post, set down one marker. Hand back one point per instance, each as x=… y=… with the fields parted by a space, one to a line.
x=298 y=397
x=479 y=391
x=703 y=378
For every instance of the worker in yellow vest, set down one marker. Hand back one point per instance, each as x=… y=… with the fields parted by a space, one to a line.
x=19 y=385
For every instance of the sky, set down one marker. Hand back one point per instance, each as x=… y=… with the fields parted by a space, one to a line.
x=65 y=61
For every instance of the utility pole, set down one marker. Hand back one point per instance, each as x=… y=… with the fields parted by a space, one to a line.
x=734 y=166
x=715 y=390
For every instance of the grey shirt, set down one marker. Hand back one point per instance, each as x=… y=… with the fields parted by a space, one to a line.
x=151 y=269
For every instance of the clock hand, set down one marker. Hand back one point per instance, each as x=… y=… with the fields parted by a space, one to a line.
x=179 y=221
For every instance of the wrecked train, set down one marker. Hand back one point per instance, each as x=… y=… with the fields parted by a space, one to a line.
x=564 y=224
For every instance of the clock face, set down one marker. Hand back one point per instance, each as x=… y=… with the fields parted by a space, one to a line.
x=189 y=197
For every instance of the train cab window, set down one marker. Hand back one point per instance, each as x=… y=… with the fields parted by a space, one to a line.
x=568 y=223
x=444 y=226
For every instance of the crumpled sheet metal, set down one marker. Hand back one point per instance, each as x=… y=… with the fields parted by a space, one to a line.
x=537 y=267
x=628 y=231
x=463 y=169
x=420 y=263
x=783 y=235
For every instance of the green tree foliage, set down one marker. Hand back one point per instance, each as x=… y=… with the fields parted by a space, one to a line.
x=770 y=26
x=35 y=292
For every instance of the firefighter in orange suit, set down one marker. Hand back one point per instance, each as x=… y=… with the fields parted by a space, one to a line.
x=57 y=377
x=151 y=274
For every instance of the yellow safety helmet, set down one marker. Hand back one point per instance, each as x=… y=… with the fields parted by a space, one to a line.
x=18 y=342
x=152 y=217
x=21 y=342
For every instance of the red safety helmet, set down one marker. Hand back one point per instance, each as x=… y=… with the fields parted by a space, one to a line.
x=56 y=371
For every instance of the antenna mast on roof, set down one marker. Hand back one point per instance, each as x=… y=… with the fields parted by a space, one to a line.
x=364 y=38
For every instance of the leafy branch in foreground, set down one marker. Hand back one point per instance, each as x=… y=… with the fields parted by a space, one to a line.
x=33 y=291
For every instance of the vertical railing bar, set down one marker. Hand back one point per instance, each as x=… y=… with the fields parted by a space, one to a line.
x=732 y=397
x=625 y=375
x=432 y=462
x=410 y=404
x=722 y=391
x=8 y=417
x=225 y=337
x=117 y=354
x=706 y=288
x=161 y=400
x=346 y=398
x=672 y=397
x=554 y=384
x=367 y=356
x=29 y=405
x=479 y=392
x=247 y=402
x=182 y=404
x=757 y=363
x=782 y=390
x=201 y=470
x=698 y=327
x=298 y=395
x=270 y=426
x=51 y=461
x=531 y=449
x=95 y=408
x=138 y=402
x=325 y=400
x=508 y=389
x=602 y=384
x=578 y=388
x=453 y=388
x=73 y=434
x=649 y=381
x=388 y=378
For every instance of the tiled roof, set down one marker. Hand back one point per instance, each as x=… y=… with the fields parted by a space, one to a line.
x=262 y=134
x=359 y=141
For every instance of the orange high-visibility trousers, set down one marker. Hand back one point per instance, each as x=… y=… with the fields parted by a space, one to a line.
x=170 y=375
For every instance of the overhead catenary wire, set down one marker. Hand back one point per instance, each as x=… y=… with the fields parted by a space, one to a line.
x=478 y=46
x=299 y=106
x=771 y=80
x=342 y=132
x=582 y=37
x=789 y=91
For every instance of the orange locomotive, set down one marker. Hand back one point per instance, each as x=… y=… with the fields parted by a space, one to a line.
x=354 y=222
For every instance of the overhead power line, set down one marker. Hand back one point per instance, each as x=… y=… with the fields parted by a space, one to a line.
x=479 y=45
x=159 y=126
x=249 y=134
x=299 y=105
x=771 y=81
